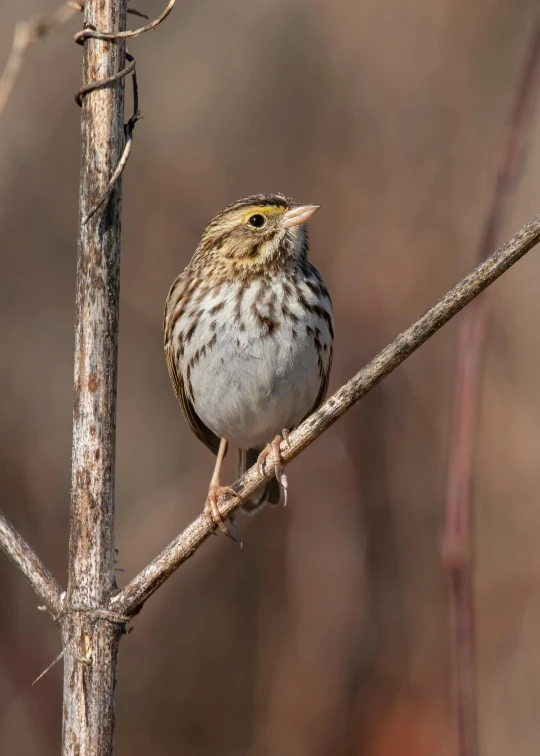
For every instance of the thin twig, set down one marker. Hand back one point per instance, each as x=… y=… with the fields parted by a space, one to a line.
x=90 y=33
x=51 y=665
x=457 y=549
x=23 y=557
x=26 y=32
x=128 y=134
x=131 y=598
x=137 y=13
x=85 y=33
x=100 y=83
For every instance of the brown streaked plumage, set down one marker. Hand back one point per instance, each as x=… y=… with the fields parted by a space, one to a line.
x=249 y=336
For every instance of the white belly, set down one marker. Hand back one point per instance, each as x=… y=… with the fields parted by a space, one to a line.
x=248 y=390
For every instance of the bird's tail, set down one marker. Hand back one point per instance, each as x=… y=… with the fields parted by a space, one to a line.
x=267 y=494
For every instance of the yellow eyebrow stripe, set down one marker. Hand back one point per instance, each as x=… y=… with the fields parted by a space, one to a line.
x=263 y=210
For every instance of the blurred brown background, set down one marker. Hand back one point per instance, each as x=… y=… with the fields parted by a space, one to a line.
x=328 y=632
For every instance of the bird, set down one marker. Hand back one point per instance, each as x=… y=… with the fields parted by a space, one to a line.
x=248 y=339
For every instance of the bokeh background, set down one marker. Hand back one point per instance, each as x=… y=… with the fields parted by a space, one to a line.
x=328 y=633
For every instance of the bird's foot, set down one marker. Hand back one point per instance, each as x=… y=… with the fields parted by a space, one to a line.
x=279 y=470
x=213 y=515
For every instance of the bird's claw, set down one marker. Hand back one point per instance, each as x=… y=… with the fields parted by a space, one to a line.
x=279 y=470
x=213 y=515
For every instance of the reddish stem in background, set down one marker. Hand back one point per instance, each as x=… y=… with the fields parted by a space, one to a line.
x=457 y=553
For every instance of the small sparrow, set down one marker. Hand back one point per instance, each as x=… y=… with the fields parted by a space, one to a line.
x=248 y=338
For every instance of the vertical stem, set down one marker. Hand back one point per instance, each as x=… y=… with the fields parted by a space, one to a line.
x=91 y=646
x=457 y=543
x=457 y=549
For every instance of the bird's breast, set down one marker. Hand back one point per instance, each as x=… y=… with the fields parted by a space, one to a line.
x=253 y=356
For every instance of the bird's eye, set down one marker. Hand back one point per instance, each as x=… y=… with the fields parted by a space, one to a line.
x=257 y=220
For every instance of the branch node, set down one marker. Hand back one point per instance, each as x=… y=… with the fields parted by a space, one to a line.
x=95 y=615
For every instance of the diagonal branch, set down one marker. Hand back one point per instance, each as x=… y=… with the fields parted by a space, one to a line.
x=131 y=598
x=23 y=557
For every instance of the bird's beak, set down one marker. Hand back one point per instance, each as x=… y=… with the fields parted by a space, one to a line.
x=298 y=215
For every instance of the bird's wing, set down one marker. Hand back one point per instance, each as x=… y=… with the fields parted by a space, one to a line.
x=202 y=432
x=324 y=373
x=323 y=388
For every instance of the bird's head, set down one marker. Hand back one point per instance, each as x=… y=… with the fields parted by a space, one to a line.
x=257 y=232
